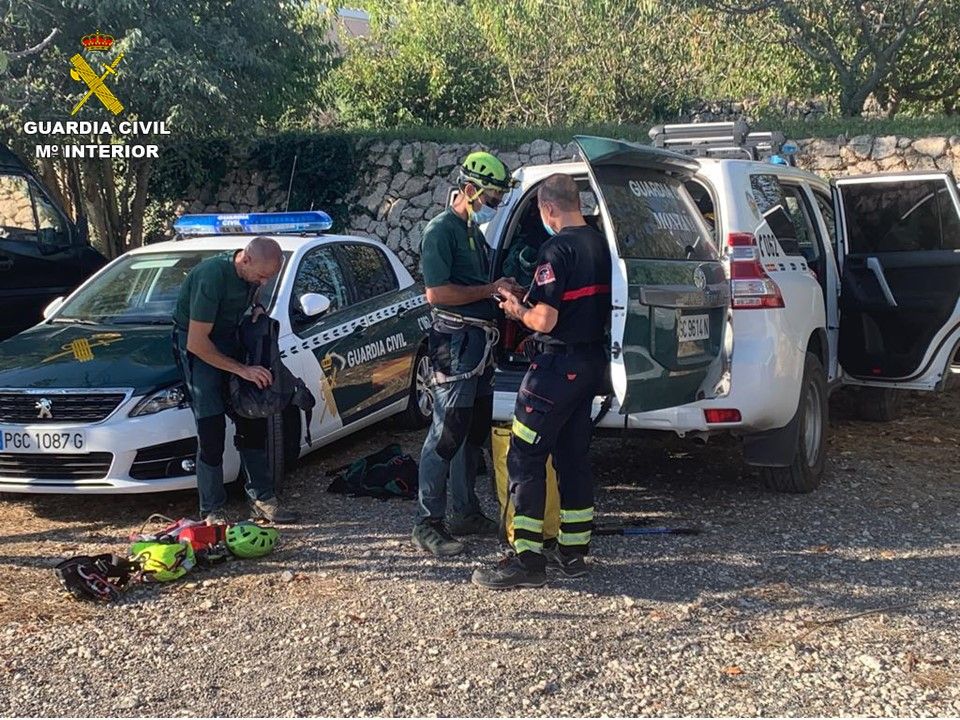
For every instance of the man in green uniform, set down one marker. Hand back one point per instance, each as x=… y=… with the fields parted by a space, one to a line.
x=456 y=266
x=212 y=301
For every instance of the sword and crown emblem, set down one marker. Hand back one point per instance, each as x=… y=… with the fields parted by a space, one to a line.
x=96 y=85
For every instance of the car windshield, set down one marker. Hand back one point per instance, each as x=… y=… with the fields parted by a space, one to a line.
x=139 y=289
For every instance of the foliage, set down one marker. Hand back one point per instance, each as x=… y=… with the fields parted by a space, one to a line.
x=424 y=63
x=202 y=66
x=324 y=173
x=896 y=49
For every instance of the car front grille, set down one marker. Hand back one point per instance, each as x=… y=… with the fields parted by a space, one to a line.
x=164 y=460
x=55 y=466
x=36 y=408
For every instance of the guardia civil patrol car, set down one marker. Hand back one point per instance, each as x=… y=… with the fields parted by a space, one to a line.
x=744 y=289
x=91 y=401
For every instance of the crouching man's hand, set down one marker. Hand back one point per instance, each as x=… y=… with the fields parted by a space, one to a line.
x=259 y=376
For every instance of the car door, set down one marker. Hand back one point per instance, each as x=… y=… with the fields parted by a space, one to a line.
x=38 y=259
x=900 y=278
x=379 y=360
x=315 y=353
x=669 y=291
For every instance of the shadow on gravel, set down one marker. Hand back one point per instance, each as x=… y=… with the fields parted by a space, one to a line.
x=880 y=530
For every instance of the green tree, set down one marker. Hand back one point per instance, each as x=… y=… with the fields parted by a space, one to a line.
x=205 y=67
x=423 y=63
x=858 y=45
x=585 y=61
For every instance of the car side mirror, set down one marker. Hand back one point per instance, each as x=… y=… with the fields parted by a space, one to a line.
x=50 y=309
x=52 y=240
x=314 y=304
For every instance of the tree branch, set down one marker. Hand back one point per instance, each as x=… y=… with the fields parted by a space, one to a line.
x=40 y=47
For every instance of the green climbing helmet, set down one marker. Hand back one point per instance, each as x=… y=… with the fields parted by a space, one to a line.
x=249 y=540
x=163 y=561
x=486 y=171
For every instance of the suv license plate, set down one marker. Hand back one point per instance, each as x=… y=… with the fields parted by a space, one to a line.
x=41 y=441
x=693 y=327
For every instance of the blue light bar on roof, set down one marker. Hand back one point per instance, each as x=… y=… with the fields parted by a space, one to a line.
x=253 y=223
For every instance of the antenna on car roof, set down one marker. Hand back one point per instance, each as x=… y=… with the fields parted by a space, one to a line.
x=722 y=139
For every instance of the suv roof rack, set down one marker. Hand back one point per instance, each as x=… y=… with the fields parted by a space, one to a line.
x=723 y=139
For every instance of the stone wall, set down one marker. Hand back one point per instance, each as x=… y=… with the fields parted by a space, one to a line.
x=401 y=186
x=15 y=207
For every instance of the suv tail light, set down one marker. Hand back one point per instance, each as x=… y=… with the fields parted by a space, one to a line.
x=750 y=286
x=715 y=416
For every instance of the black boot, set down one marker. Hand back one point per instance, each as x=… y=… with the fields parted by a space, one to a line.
x=509 y=573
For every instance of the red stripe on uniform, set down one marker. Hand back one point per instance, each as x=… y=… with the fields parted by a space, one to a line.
x=587 y=291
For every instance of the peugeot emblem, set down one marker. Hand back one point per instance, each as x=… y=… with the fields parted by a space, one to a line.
x=44 y=409
x=699 y=279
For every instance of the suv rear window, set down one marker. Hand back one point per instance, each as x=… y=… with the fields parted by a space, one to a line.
x=653 y=215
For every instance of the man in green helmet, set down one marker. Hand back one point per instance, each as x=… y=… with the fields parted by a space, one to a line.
x=455 y=262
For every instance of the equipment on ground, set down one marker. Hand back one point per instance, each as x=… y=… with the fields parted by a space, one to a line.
x=163 y=561
x=385 y=474
x=101 y=578
x=631 y=529
x=249 y=540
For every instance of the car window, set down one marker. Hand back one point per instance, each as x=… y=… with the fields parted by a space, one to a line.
x=898 y=216
x=47 y=216
x=370 y=270
x=653 y=215
x=825 y=205
x=800 y=214
x=771 y=199
x=139 y=288
x=949 y=221
x=704 y=202
x=17 y=220
x=320 y=273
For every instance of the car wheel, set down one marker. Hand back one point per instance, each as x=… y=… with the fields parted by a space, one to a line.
x=879 y=404
x=283 y=444
x=420 y=399
x=804 y=473
x=275 y=454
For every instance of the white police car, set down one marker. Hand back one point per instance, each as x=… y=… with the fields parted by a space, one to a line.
x=91 y=401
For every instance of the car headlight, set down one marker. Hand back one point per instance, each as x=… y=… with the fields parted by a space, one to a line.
x=174 y=396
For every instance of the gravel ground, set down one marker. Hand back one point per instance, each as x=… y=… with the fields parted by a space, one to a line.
x=843 y=602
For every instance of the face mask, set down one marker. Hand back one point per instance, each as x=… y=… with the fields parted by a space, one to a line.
x=550 y=231
x=484 y=215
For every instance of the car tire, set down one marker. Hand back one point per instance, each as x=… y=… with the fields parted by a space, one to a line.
x=275 y=454
x=419 y=410
x=879 y=404
x=804 y=473
x=283 y=444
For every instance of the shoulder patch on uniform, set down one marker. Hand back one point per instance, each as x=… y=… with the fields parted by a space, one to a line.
x=544 y=274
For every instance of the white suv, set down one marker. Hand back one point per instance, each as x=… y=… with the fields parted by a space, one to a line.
x=855 y=281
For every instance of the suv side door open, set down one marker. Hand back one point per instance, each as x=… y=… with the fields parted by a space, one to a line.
x=670 y=294
x=900 y=279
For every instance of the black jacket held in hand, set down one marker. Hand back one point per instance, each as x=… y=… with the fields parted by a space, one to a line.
x=259 y=345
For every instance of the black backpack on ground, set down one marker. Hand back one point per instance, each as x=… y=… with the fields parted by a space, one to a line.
x=387 y=473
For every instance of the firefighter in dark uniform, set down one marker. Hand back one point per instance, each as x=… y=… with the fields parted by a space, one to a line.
x=568 y=307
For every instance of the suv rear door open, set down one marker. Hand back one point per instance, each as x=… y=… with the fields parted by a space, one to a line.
x=669 y=291
x=900 y=296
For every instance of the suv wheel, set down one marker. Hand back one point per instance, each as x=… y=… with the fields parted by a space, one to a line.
x=419 y=410
x=879 y=404
x=803 y=475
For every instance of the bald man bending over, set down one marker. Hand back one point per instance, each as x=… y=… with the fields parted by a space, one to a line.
x=213 y=299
